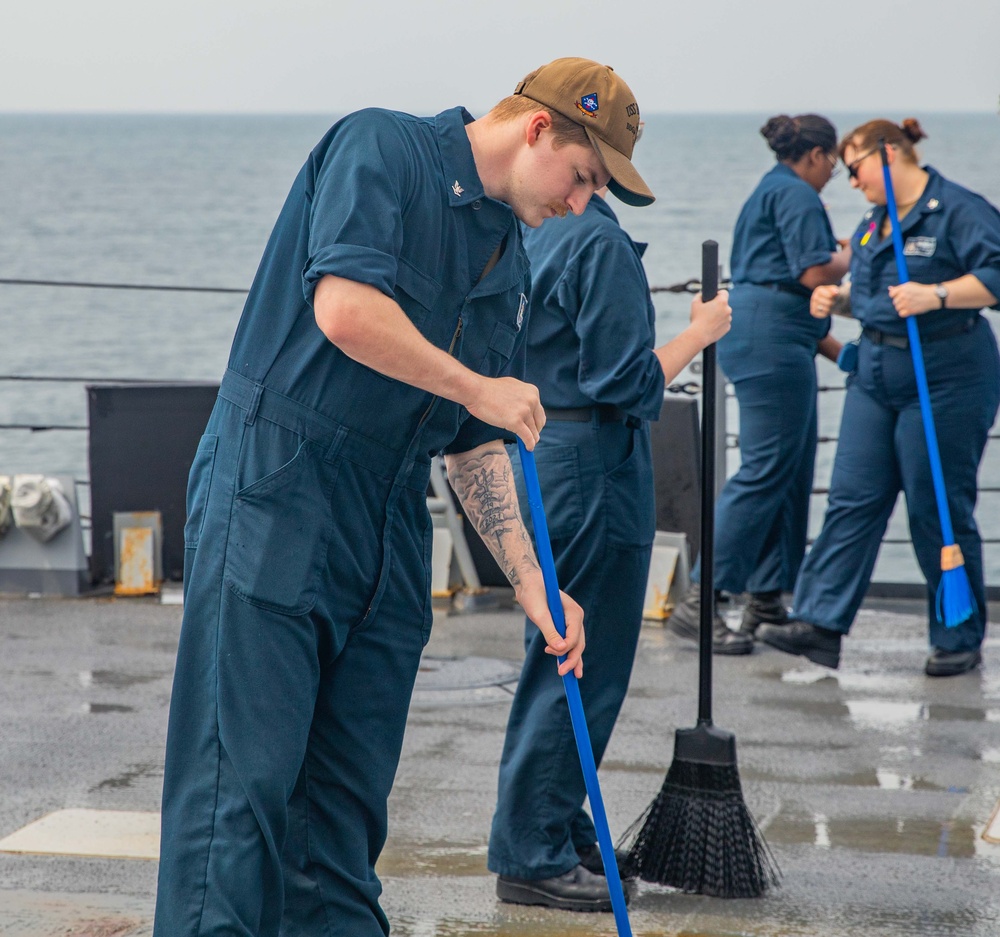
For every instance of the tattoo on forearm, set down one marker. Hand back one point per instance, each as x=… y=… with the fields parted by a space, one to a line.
x=485 y=487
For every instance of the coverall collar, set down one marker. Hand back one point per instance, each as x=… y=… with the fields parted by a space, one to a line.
x=928 y=203
x=601 y=205
x=458 y=165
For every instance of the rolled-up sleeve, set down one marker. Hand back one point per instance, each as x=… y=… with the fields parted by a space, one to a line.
x=974 y=231
x=804 y=228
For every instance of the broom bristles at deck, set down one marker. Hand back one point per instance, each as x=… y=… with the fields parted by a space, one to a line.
x=699 y=836
x=955 y=601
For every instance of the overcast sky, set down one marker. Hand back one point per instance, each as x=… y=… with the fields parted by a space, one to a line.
x=333 y=56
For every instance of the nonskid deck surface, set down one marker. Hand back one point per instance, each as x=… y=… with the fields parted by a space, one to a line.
x=873 y=784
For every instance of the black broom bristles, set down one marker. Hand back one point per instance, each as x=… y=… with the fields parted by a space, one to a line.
x=699 y=836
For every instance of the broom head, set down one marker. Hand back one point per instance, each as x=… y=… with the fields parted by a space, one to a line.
x=955 y=601
x=698 y=834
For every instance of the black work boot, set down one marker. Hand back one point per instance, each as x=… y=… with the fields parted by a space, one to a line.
x=685 y=621
x=763 y=608
x=943 y=663
x=820 y=645
x=575 y=890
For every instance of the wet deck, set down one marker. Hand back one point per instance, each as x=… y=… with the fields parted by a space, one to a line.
x=873 y=784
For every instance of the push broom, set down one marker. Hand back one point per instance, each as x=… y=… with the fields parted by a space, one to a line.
x=955 y=602
x=572 y=688
x=698 y=834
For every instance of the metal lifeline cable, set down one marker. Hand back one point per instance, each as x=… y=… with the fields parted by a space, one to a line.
x=38 y=428
x=123 y=286
x=692 y=285
x=60 y=379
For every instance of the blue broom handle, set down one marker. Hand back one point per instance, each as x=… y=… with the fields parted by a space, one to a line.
x=572 y=688
x=937 y=473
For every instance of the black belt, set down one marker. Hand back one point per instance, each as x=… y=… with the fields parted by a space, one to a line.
x=605 y=412
x=877 y=337
x=796 y=289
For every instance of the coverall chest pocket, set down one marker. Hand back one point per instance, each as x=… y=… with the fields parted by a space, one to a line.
x=498 y=350
x=415 y=291
x=280 y=531
x=416 y=294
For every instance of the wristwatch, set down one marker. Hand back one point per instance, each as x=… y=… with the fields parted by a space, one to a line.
x=941 y=292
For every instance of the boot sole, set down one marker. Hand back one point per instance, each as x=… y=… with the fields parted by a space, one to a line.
x=733 y=650
x=524 y=893
x=935 y=670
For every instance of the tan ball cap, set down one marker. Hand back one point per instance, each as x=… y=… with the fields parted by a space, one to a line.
x=598 y=100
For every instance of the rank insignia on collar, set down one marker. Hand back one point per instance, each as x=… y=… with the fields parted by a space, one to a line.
x=457 y=189
x=933 y=203
x=522 y=302
x=588 y=104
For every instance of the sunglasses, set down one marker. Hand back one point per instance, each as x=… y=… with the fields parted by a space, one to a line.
x=834 y=165
x=852 y=168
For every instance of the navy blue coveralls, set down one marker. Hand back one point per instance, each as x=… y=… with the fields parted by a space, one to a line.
x=589 y=351
x=308 y=539
x=762 y=514
x=882 y=448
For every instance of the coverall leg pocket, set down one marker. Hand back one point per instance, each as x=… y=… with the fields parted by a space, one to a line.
x=279 y=533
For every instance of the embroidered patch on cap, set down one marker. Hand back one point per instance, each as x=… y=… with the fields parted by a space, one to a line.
x=920 y=247
x=588 y=104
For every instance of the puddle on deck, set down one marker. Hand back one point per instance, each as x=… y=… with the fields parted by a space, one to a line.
x=105 y=708
x=117 y=680
x=883 y=713
x=438 y=859
x=910 y=836
x=130 y=776
x=884 y=779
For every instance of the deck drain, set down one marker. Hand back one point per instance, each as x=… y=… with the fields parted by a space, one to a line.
x=448 y=681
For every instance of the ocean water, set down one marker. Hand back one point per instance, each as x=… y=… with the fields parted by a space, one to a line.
x=190 y=201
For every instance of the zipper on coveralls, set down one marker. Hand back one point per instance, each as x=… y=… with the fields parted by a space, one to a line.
x=451 y=351
x=426 y=413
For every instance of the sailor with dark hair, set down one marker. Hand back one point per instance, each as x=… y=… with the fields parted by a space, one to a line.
x=591 y=353
x=783 y=247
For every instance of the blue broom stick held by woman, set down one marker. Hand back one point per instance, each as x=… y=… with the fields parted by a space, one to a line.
x=954 y=596
x=572 y=688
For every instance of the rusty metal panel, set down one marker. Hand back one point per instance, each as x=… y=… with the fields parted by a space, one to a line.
x=138 y=563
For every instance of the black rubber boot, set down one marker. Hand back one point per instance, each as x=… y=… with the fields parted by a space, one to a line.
x=576 y=890
x=685 y=621
x=820 y=645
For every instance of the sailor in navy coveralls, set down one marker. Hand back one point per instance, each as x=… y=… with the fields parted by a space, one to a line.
x=783 y=247
x=951 y=240
x=590 y=352
x=380 y=330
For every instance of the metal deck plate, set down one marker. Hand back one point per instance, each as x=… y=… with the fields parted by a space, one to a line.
x=112 y=834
